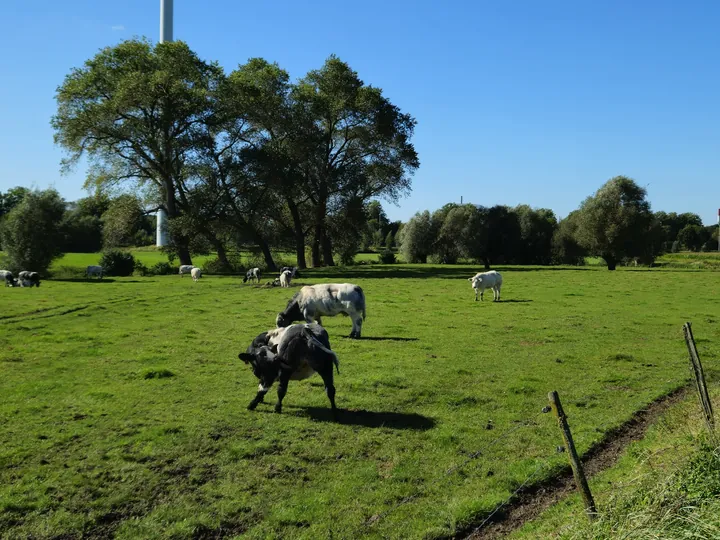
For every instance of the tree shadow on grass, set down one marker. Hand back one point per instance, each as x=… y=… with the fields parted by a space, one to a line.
x=104 y=280
x=370 y=419
x=383 y=338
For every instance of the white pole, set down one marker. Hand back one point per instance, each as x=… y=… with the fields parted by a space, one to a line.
x=718 y=229
x=166 y=34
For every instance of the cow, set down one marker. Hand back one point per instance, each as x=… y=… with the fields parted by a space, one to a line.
x=292 y=353
x=487 y=280
x=196 y=273
x=185 y=269
x=285 y=278
x=314 y=301
x=28 y=279
x=8 y=277
x=94 y=271
x=252 y=274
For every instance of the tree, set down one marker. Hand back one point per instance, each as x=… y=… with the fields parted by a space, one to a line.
x=390 y=240
x=537 y=227
x=138 y=111
x=565 y=247
x=615 y=223
x=417 y=239
x=122 y=221
x=11 y=198
x=31 y=233
x=693 y=237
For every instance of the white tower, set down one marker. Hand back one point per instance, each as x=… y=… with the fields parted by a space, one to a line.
x=166 y=34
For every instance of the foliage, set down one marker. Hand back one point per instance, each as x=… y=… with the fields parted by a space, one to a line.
x=116 y=262
x=693 y=237
x=206 y=464
x=616 y=222
x=390 y=240
x=162 y=269
x=565 y=247
x=417 y=238
x=387 y=256
x=122 y=222
x=31 y=232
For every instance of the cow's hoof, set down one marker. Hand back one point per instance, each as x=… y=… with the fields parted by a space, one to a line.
x=252 y=406
x=278 y=409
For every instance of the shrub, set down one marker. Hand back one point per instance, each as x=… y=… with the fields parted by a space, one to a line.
x=387 y=257
x=141 y=269
x=162 y=269
x=117 y=263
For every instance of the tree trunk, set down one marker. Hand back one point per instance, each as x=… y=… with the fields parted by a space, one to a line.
x=219 y=249
x=487 y=263
x=611 y=262
x=327 y=248
x=183 y=250
x=316 y=262
x=266 y=253
x=181 y=242
x=299 y=234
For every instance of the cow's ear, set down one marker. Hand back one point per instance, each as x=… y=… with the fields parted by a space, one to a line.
x=245 y=357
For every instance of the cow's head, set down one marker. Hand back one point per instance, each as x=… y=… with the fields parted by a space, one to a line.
x=262 y=361
x=281 y=321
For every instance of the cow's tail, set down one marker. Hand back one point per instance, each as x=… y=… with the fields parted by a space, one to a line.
x=362 y=301
x=315 y=342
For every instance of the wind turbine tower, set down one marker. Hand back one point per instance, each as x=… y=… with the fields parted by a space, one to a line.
x=166 y=34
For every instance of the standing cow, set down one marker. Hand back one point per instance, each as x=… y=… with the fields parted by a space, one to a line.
x=314 y=301
x=252 y=275
x=185 y=269
x=28 y=279
x=292 y=353
x=487 y=280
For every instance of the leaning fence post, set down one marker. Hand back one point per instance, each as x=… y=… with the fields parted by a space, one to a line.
x=577 y=469
x=699 y=375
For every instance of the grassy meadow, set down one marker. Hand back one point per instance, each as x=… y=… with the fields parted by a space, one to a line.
x=123 y=401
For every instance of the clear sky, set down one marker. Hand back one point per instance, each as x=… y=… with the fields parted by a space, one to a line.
x=527 y=101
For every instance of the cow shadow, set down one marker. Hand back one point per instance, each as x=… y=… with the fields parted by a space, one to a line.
x=513 y=301
x=383 y=338
x=371 y=419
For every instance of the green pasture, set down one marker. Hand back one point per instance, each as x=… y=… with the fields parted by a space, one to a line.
x=123 y=401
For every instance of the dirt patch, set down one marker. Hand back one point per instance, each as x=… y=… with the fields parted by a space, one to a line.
x=535 y=499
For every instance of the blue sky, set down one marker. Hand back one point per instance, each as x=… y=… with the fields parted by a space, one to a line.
x=516 y=102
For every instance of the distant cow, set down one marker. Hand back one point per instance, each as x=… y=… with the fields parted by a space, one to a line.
x=185 y=269
x=487 y=280
x=314 y=301
x=8 y=277
x=253 y=275
x=285 y=278
x=196 y=273
x=292 y=353
x=28 y=279
x=94 y=271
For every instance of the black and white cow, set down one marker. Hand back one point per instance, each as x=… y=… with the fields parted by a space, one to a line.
x=314 y=301
x=28 y=279
x=8 y=277
x=292 y=353
x=253 y=274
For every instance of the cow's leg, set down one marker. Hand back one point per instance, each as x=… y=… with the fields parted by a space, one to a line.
x=482 y=292
x=262 y=390
x=356 y=326
x=282 y=389
x=476 y=294
x=327 y=377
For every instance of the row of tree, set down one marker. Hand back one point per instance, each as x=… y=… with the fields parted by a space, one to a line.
x=241 y=158
x=37 y=226
x=616 y=223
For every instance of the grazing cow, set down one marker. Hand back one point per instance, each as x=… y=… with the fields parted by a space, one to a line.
x=252 y=274
x=196 y=273
x=8 y=277
x=314 y=301
x=94 y=271
x=292 y=353
x=487 y=280
x=285 y=278
x=28 y=279
x=185 y=269
x=293 y=270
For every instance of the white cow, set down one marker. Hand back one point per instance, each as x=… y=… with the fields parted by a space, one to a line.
x=314 y=301
x=8 y=278
x=185 y=269
x=94 y=271
x=487 y=280
x=196 y=273
x=285 y=278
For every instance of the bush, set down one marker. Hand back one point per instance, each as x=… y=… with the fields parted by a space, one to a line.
x=141 y=269
x=387 y=257
x=214 y=266
x=162 y=269
x=117 y=263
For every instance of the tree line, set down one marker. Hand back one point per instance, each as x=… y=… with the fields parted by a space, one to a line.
x=616 y=223
x=241 y=158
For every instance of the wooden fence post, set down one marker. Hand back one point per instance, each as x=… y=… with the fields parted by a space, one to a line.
x=577 y=469
x=699 y=375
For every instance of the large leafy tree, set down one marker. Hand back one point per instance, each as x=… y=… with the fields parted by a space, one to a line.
x=537 y=227
x=31 y=232
x=616 y=222
x=137 y=111
x=565 y=247
x=417 y=238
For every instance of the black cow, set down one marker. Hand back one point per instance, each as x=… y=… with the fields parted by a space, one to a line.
x=8 y=278
x=28 y=279
x=292 y=353
x=252 y=275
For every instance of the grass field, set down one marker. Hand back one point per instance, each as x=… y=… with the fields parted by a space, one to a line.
x=123 y=407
